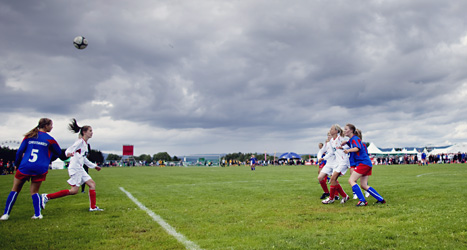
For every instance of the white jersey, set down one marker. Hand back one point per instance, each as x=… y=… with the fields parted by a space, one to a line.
x=321 y=152
x=330 y=156
x=341 y=158
x=80 y=150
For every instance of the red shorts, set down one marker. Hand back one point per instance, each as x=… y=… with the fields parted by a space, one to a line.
x=363 y=169
x=353 y=167
x=33 y=178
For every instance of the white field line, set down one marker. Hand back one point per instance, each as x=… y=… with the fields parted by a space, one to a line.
x=168 y=228
x=424 y=174
x=438 y=174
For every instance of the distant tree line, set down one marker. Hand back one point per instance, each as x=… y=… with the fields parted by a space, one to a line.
x=163 y=156
x=242 y=157
x=7 y=154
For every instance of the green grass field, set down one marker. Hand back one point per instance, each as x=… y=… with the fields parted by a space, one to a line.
x=274 y=207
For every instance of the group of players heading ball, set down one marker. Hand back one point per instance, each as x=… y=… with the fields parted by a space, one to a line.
x=336 y=156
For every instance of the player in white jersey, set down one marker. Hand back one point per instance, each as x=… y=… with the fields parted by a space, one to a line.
x=78 y=176
x=331 y=162
x=322 y=162
x=329 y=158
x=341 y=163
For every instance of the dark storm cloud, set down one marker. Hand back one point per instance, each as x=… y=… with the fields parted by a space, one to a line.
x=281 y=69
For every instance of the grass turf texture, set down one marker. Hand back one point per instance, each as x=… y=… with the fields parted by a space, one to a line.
x=274 y=207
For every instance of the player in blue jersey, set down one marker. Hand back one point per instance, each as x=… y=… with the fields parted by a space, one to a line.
x=33 y=159
x=253 y=162
x=424 y=162
x=352 y=162
x=363 y=167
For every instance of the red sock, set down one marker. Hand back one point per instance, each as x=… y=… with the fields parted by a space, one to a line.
x=333 y=192
x=341 y=190
x=92 y=198
x=58 y=194
x=324 y=186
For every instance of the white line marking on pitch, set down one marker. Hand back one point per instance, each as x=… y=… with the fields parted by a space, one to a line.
x=424 y=174
x=168 y=228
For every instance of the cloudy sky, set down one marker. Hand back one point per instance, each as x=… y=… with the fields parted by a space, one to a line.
x=208 y=76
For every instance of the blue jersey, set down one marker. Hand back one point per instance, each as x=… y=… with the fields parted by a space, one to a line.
x=360 y=157
x=253 y=161
x=323 y=162
x=34 y=154
x=351 y=157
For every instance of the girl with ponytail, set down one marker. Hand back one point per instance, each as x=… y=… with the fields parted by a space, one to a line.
x=32 y=160
x=78 y=176
x=363 y=168
x=339 y=164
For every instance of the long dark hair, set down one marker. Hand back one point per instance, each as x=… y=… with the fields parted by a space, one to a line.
x=33 y=133
x=74 y=128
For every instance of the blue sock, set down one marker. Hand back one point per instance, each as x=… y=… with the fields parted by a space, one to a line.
x=375 y=194
x=10 y=201
x=36 y=202
x=356 y=189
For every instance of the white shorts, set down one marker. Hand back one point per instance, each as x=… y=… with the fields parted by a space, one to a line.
x=341 y=169
x=328 y=169
x=79 y=178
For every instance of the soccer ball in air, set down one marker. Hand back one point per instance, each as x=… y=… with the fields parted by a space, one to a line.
x=80 y=42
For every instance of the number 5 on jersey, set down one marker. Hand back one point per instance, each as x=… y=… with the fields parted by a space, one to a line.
x=34 y=155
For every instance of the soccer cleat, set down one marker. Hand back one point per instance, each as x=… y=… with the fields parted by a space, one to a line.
x=5 y=217
x=328 y=201
x=44 y=200
x=336 y=198
x=362 y=203
x=95 y=209
x=355 y=196
x=345 y=199
x=381 y=202
x=324 y=196
x=37 y=217
x=367 y=194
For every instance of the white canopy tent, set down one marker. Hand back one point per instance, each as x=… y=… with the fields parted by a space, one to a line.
x=373 y=150
x=437 y=151
x=456 y=148
x=459 y=147
x=413 y=151
x=58 y=164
